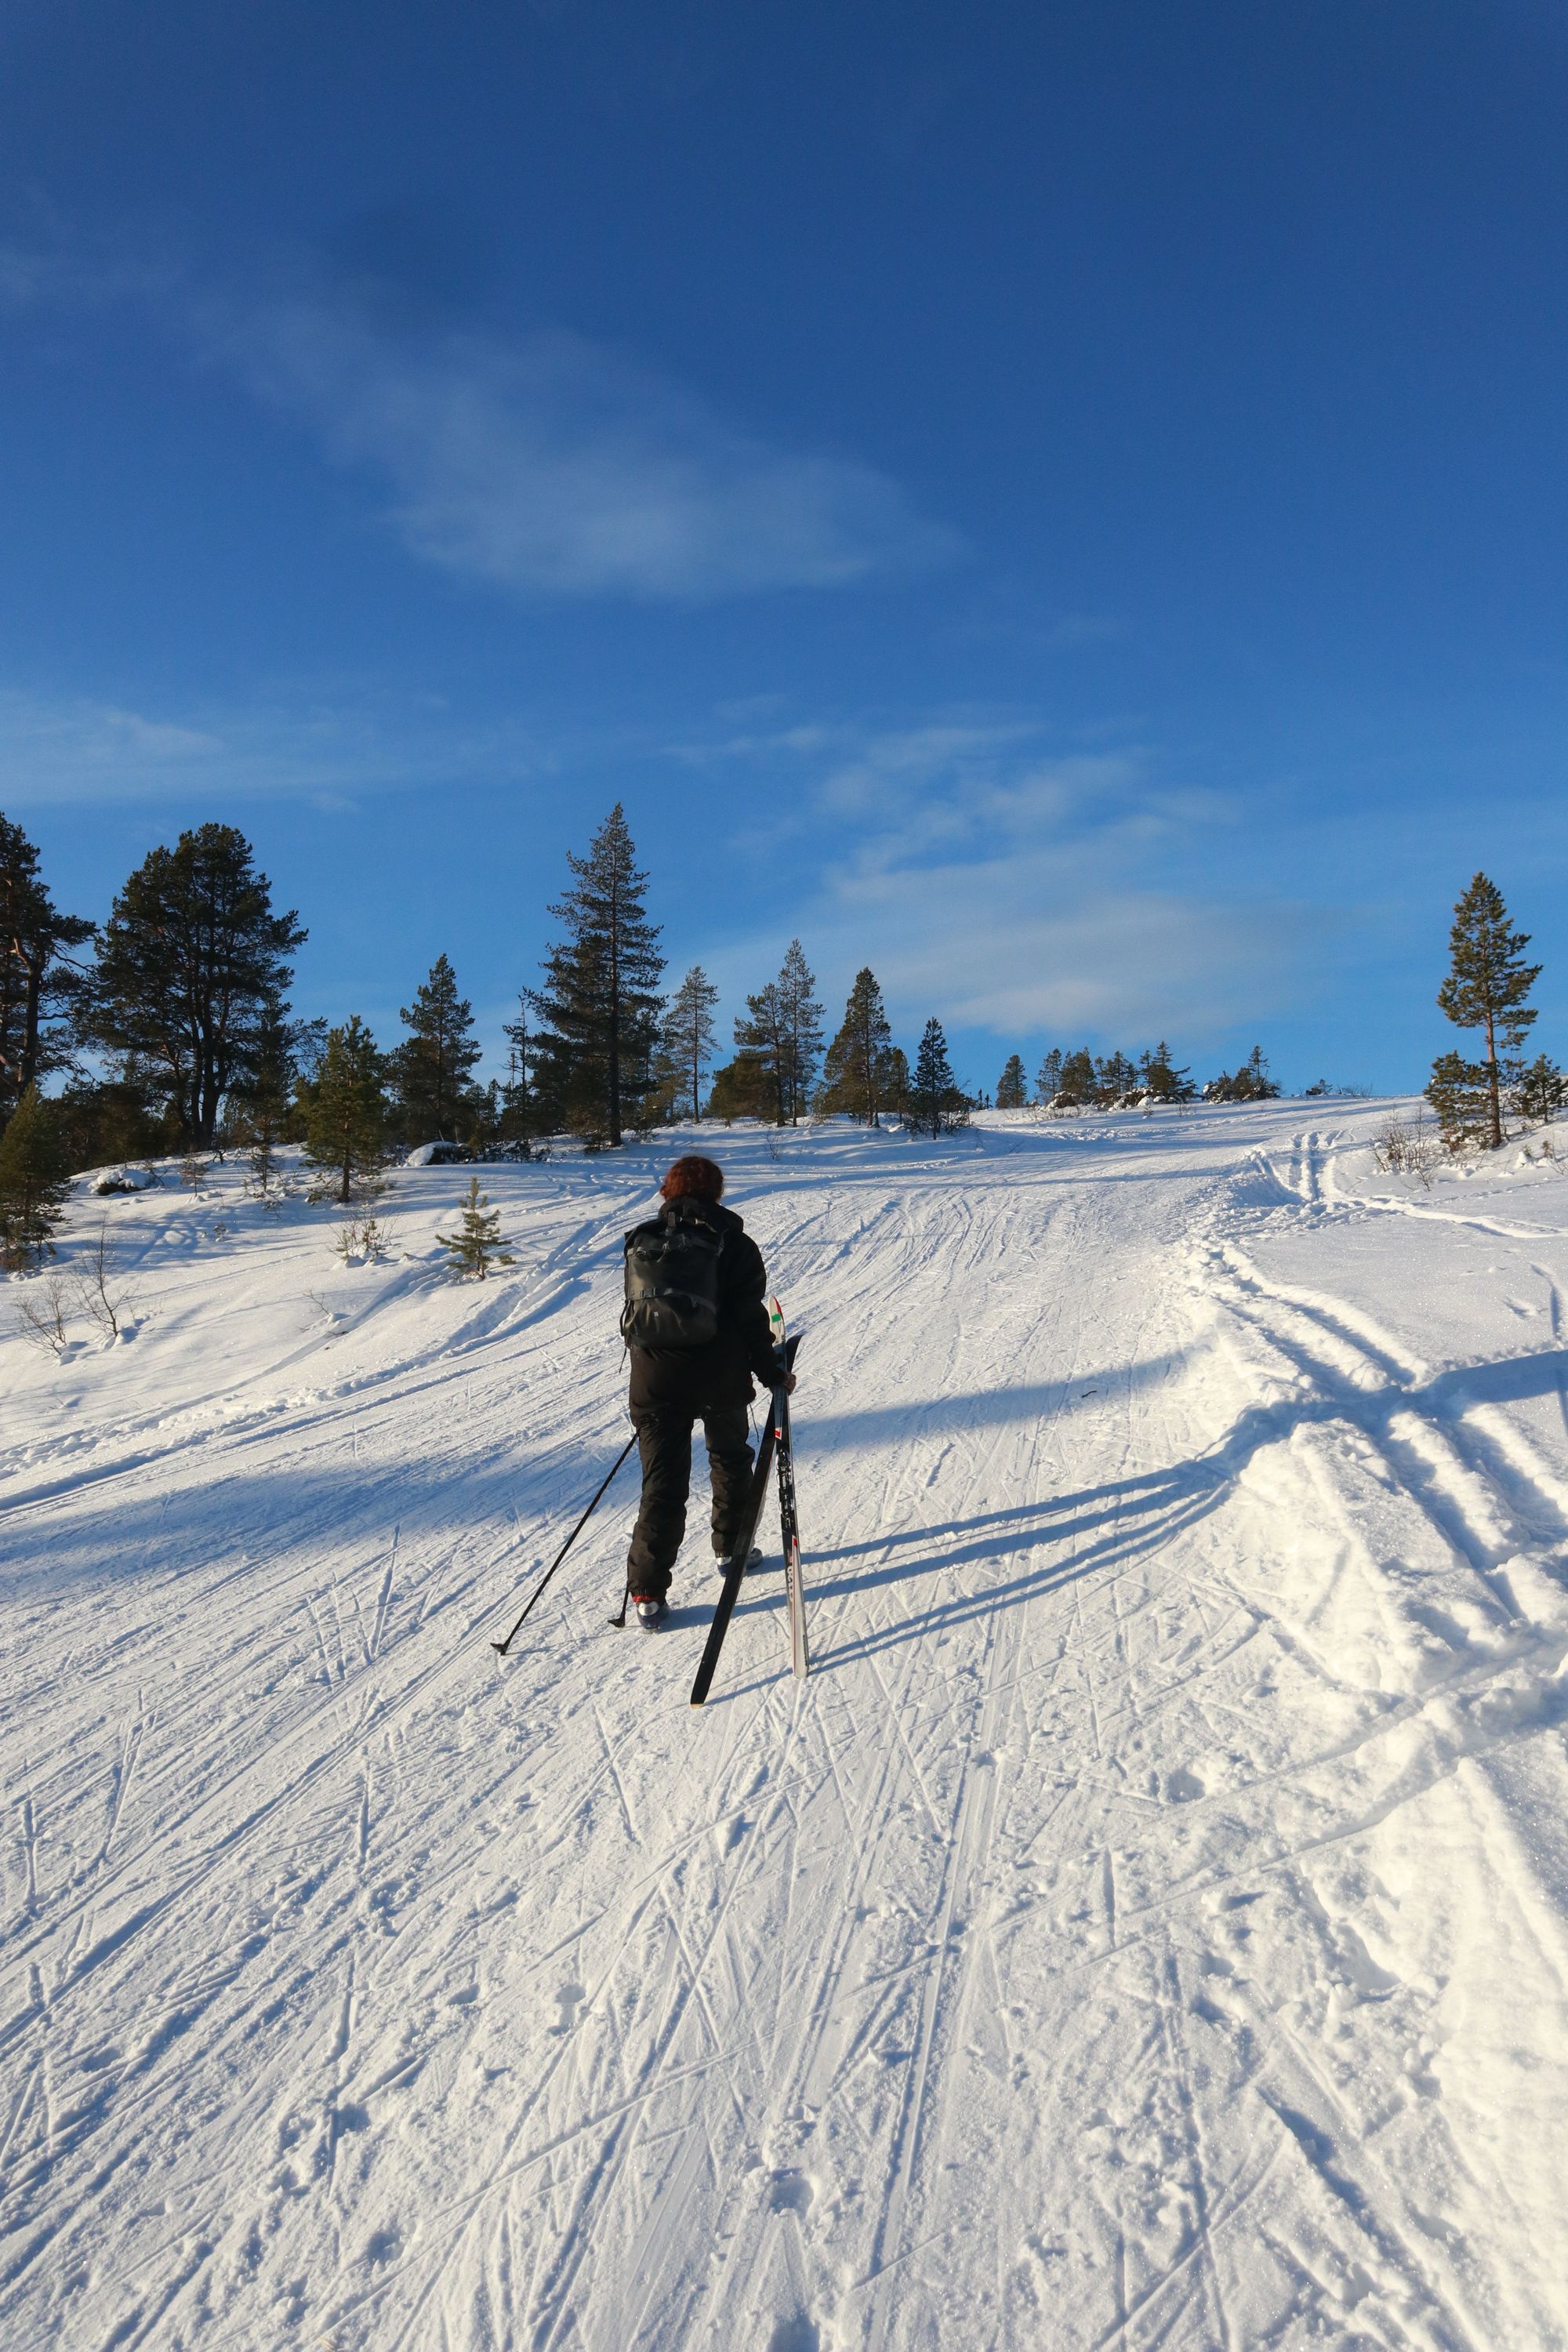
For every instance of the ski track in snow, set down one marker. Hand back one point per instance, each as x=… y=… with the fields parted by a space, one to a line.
x=1148 y=1926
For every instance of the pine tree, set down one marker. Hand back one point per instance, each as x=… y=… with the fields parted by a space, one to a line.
x=762 y=1037
x=801 y=1021
x=742 y=1089
x=431 y=1067
x=346 y=1116
x=857 y=1073
x=935 y=1104
x=1048 y=1079
x=191 y=962
x=33 y=1182
x=599 y=1006
x=1541 y=1091
x=1486 y=987
x=475 y=1248
x=37 y=980
x=686 y=1041
x=1012 y=1087
x=517 y=1119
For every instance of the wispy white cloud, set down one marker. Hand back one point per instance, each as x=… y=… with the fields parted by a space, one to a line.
x=65 y=751
x=543 y=462
x=555 y=467
x=1018 y=945
x=1008 y=887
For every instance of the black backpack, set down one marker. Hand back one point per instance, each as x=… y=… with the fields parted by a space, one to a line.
x=672 y=1285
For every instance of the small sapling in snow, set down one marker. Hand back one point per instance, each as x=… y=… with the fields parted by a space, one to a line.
x=475 y=1248
x=345 y=1146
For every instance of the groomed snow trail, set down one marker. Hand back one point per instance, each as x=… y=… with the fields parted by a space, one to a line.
x=1149 y=1925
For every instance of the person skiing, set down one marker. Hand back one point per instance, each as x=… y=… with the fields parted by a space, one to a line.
x=696 y=1326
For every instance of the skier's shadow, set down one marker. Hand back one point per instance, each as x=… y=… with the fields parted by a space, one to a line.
x=1122 y=1520
x=1114 y=1524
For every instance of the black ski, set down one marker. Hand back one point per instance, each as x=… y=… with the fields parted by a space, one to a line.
x=729 y=1590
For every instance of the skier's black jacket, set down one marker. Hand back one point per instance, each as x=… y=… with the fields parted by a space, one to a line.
x=721 y=1373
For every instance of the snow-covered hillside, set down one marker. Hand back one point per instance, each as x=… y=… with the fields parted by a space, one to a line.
x=1148 y=1926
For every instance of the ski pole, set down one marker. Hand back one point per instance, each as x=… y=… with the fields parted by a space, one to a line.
x=502 y=1647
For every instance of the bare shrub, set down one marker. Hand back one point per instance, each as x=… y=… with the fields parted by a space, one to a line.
x=363 y=1236
x=43 y=1314
x=1409 y=1147
x=101 y=1293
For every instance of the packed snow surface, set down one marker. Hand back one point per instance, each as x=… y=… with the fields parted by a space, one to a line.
x=1149 y=1925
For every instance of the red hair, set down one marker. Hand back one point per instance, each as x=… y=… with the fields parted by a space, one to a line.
x=694 y=1179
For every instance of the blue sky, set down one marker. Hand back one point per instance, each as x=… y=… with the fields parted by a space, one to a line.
x=1064 y=504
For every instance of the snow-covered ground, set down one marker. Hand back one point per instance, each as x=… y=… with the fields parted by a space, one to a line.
x=1148 y=1926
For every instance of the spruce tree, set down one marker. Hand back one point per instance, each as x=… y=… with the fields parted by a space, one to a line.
x=801 y=1022
x=857 y=1074
x=264 y=1106
x=1486 y=987
x=1254 y=1081
x=190 y=963
x=1115 y=1079
x=1161 y=1081
x=1012 y=1087
x=34 y=1181
x=346 y=1116
x=935 y=1104
x=1249 y=1083
x=476 y=1245
x=431 y=1067
x=1460 y=1097
x=1048 y=1079
x=686 y=1041
x=598 y=1009
x=1077 y=1086
x=37 y=980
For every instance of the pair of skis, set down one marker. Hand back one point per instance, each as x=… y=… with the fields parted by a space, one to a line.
x=775 y=1450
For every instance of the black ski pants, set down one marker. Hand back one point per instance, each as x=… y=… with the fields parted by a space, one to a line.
x=663 y=1447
